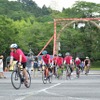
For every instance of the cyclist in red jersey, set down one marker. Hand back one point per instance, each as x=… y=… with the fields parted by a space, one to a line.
x=19 y=56
x=77 y=62
x=46 y=62
x=59 y=60
x=46 y=58
x=68 y=61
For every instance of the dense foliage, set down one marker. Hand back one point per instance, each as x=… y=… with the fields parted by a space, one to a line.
x=30 y=26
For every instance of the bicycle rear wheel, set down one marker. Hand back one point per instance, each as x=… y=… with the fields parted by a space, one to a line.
x=28 y=84
x=16 y=80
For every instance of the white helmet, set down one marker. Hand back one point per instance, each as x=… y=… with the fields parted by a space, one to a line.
x=14 y=45
x=87 y=57
x=77 y=58
x=67 y=53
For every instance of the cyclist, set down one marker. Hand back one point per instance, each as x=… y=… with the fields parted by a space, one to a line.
x=59 y=60
x=68 y=61
x=17 y=54
x=77 y=63
x=87 y=65
x=46 y=63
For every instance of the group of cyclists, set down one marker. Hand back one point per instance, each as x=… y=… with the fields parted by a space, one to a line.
x=51 y=65
x=58 y=62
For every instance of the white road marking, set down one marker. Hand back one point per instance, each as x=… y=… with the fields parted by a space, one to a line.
x=54 y=94
x=49 y=87
x=28 y=94
x=76 y=98
x=34 y=93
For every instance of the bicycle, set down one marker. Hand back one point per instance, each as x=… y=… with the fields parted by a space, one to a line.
x=68 y=71
x=17 y=78
x=44 y=77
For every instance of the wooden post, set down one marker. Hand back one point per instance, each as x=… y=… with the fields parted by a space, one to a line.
x=54 y=45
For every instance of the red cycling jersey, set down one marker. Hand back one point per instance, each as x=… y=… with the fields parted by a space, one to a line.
x=77 y=62
x=54 y=60
x=46 y=58
x=16 y=55
x=59 y=61
x=68 y=59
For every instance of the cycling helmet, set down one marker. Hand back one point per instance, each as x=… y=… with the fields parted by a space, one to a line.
x=77 y=58
x=67 y=53
x=87 y=57
x=59 y=54
x=44 y=52
x=14 y=46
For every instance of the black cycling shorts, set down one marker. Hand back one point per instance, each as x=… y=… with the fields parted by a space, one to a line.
x=23 y=64
x=48 y=65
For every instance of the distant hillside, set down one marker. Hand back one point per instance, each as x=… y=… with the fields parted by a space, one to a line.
x=22 y=9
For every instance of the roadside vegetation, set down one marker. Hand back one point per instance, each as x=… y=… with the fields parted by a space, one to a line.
x=26 y=24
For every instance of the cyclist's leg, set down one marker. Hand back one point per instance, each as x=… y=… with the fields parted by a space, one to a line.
x=25 y=71
x=85 y=69
x=55 y=70
x=88 y=67
x=62 y=67
x=46 y=72
x=71 y=68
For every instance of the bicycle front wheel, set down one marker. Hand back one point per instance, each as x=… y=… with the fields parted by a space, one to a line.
x=44 y=79
x=50 y=79
x=16 y=80
x=29 y=80
x=68 y=73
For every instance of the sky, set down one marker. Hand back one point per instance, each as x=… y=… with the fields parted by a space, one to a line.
x=59 y=4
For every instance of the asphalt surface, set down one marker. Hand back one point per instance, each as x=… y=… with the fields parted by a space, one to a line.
x=87 y=87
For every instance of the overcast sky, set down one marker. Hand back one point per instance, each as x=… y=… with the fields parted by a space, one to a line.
x=59 y=4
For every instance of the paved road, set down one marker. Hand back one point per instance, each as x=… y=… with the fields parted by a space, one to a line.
x=84 y=88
